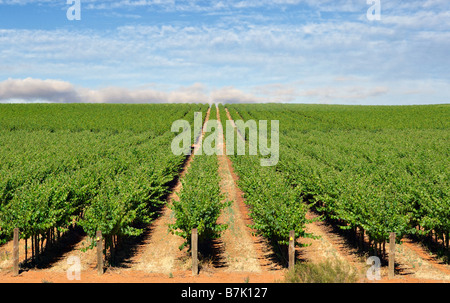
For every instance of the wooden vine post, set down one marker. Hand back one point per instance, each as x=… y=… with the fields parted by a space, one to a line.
x=291 y=249
x=16 y=252
x=194 y=251
x=99 y=252
x=391 y=255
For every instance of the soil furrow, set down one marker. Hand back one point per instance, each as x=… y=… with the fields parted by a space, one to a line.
x=159 y=252
x=239 y=251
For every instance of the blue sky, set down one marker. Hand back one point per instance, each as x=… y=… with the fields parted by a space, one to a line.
x=305 y=51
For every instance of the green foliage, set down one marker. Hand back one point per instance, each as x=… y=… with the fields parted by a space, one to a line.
x=200 y=202
x=275 y=207
x=380 y=169
x=103 y=167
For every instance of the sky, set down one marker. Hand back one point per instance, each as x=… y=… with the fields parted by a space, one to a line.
x=362 y=52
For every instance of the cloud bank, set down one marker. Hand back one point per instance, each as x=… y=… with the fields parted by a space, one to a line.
x=30 y=90
x=57 y=91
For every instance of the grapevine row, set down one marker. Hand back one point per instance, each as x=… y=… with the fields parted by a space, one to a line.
x=275 y=207
x=200 y=200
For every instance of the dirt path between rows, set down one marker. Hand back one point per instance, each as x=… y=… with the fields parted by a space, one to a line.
x=329 y=246
x=159 y=252
x=239 y=253
x=243 y=250
x=413 y=263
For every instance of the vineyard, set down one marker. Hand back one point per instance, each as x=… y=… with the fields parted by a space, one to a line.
x=366 y=171
x=372 y=170
x=98 y=167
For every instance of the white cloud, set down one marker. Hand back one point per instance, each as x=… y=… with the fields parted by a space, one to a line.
x=57 y=91
x=342 y=92
x=36 y=89
x=350 y=93
x=233 y=95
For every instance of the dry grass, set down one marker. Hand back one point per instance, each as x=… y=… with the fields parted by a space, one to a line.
x=329 y=271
